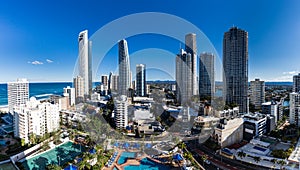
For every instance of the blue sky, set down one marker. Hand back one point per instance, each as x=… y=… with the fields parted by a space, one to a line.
x=39 y=39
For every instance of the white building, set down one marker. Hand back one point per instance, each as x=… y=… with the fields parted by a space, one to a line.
x=255 y=125
x=85 y=61
x=71 y=91
x=121 y=112
x=257 y=96
x=35 y=118
x=295 y=108
x=229 y=131
x=270 y=108
x=18 y=93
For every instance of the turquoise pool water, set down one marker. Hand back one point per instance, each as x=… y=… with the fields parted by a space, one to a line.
x=59 y=156
x=122 y=159
x=148 y=164
x=3 y=142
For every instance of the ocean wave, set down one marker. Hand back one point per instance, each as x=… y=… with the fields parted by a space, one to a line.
x=43 y=95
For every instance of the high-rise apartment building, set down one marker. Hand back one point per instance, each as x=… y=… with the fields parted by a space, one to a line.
x=104 y=80
x=114 y=82
x=141 y=80
x=294 y=115
x=191 y=48
x=296 y=83
x=124 y=68
x=257 y=96
x=184 y=77
x=85 y=62
x=235 y=65
x=121 y=112
x=35 y=118
x=71 y=94
x=79 y=90
x=17 y=93
x=207 y=75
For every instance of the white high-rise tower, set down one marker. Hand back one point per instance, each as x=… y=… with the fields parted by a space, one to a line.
x=85 y=61
x=18 y=93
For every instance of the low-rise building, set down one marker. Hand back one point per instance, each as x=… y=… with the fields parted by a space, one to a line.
x=254 y=125
x=229 y=131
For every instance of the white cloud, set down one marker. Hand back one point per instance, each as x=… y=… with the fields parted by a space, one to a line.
x=49 y=61
x=35 y=62
x=290 y=72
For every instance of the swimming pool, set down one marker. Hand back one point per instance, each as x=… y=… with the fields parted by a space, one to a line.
x=124 y=156
x=58 y=155
x=2 y=142
x=148 y=164
x=259 y=148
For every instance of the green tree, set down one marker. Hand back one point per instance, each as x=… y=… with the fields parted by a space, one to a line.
x=257 y=159
x=53 y=167
x=203 y=158
x=241 y=154
x=281 y=163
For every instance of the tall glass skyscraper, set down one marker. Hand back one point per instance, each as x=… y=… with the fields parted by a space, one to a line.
x=207 y=75
x=85 y=61
x=191 y=48
x=141 y=80
x=124 y=68
x=184 y=77
x=235 y=64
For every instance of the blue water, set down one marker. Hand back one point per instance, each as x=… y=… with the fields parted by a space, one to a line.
x=124 y=157
x=259 y=148
x=3 y=142
x=148 y=164
x=36 y=89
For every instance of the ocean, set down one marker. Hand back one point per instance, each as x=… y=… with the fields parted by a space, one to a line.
x=38 y=90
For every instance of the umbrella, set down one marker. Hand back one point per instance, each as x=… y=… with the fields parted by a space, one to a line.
x=126 y=145
x=116 y=144
x=71 y=167
x=148 y=145
x=178 y=157
x=92 y=151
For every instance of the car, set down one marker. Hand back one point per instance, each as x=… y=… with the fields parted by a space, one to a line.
x=207 y=162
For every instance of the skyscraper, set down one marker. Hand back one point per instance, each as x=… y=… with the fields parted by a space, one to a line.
x=36 y=118
x=141 y=80
x=191 y=48
x=124 y=68
x=121 y=112
x=85 y=61
x=104 y=80
x=257 y=96
x=296 y=83
x=79 y=90
x=114 y=82
x=294 y=115
x=235 y=65
x=207 y=75
x=184 y=77
x=17 y=93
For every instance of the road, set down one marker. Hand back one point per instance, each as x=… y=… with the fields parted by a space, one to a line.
x=218 y=160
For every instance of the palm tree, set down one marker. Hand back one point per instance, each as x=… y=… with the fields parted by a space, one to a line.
x=274 y=161
x=241 y=154
x=281 y=163
x=53 y=167
x=181 y=145
x=203 y=158
x=257 y=159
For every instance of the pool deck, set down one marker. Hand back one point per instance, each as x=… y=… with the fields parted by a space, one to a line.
x=134 y=161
